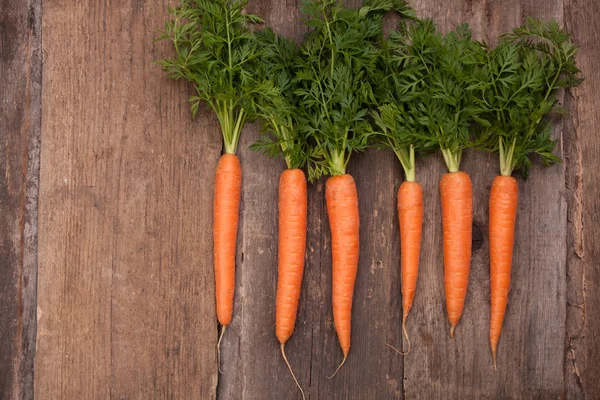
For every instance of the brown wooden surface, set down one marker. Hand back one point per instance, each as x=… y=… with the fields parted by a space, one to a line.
x=125 y=306
x=582 y=343
x=125 y=297
x=20 y=79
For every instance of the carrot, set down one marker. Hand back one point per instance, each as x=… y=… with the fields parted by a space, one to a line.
x=516 y=124
x=503 y=215
x=292 y=247
x=228 y=186
x=205 y=34
x=410 y=216
x=457 y=218
x=342 y=208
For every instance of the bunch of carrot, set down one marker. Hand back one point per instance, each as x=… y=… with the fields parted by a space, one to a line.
x=346 y=89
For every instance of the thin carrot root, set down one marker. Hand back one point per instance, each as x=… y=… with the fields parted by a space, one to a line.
x=338 y=368
x=452 y=331
x=395 y=349
x=406 y=336
x=407 y=339
x=291 y=371
x=494 y=357
x=223 y=327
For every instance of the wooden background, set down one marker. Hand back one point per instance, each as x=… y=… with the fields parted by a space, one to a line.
x=106 y=282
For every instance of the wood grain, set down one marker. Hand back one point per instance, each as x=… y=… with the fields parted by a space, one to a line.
x=440 y=367
x=125 y=305
x=126 y=293
x=20 y=112
x=582 y=345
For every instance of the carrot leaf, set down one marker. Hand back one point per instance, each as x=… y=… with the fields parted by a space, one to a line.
x=215 y=50
x=432 y=100
x=279 y=111
x=517 y=91
x=336 y=72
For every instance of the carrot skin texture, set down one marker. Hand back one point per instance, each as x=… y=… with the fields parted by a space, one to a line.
x=457 y=218
x=344 y=223
x=504 y=198
x=291 y=251
x=410 y=216
x=228 y=188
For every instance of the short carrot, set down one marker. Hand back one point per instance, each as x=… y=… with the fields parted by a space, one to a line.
x=516 y=90
x=342 y=209
x=457 y=219
x=410 y=216
x=292 y=246
x=228 y=187
x=205 y=34
x=503 y=214
x=278 y=113
x=335 y=87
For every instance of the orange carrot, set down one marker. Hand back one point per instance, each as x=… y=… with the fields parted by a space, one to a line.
x=410 y=215
x=457 y=218
x=292 y=247
x=344 y=221
x=503 y=215
x=228 y=186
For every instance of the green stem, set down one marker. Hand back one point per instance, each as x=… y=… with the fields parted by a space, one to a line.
x=452 y=159
x=407 y=159
x=338 y=163
x=506 y=158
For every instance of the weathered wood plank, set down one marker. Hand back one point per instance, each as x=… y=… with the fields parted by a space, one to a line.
x=20 y=113
x=582 y=344
x=528 y=360
x=126 y=294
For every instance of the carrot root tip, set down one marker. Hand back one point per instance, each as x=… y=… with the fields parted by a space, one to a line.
x=494 y=358
x=219 y=348
x=452 y=331
x=338 y=368
x=406 y=336
x=291 y=371
x=395 y=349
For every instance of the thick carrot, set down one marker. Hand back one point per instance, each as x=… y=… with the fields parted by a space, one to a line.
x=292 y=247
x=410 y=215
x=457 y=218
x=344 y=222
x=504 y=197
x=228 y=187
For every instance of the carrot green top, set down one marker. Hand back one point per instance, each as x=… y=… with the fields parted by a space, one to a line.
x=279 y=111
x=431 y=103
x=336 y=70
x=216 y=52
x=517 y=88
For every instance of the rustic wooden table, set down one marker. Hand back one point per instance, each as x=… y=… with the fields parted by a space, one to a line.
x=106 y=281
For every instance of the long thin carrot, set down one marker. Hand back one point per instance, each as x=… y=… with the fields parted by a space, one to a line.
x=228 y=186
x=410 y=216
x=457 y=217
x=292 y=247
x=344 y=222
x=504 y=197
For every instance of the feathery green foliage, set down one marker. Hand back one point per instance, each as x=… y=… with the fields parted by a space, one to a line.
x=431 y=90
x=217 y=53
x=279 y=112
x=400 y=84
x=517 y=90
x=336 y=70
